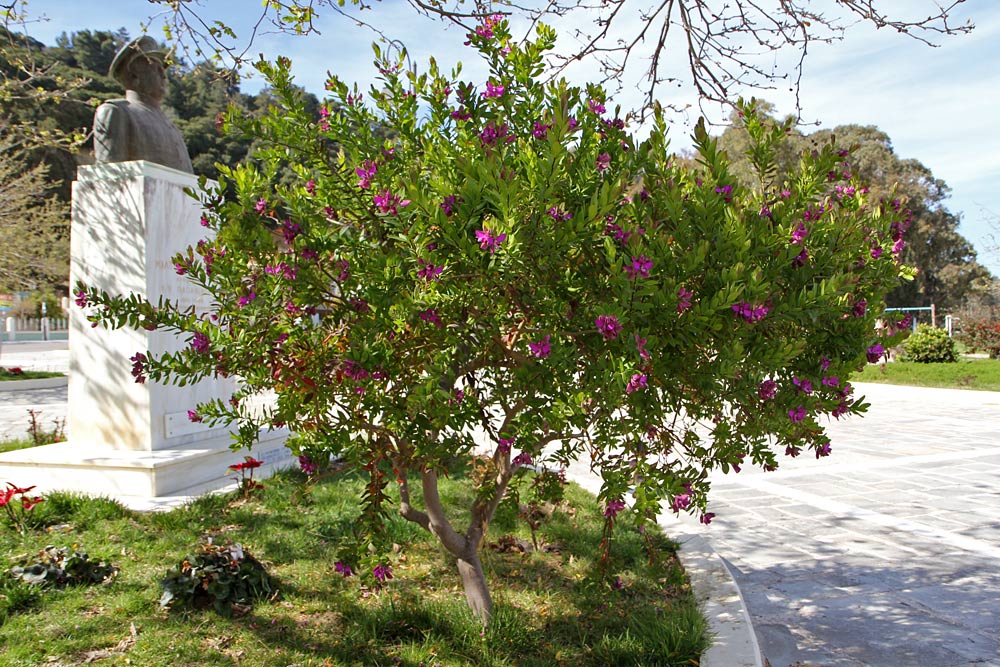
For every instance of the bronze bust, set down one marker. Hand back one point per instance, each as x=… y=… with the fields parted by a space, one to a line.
x=135 y=128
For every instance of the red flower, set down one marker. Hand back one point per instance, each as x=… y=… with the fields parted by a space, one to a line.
x=29 y=503
x=248 y=464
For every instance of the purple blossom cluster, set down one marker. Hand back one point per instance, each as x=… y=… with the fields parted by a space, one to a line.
x=609 y=326
x=750 y=312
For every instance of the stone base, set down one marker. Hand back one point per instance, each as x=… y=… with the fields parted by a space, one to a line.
x=156 y=479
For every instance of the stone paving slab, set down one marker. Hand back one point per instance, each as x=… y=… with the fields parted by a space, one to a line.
x=885 y=554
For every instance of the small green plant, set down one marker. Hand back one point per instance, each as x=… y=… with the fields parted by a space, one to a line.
x=929 y=346
x=12 y=373
x=17 y=504
x=42 y=436
x=58 y=566
x=15 y=596
x=227 y=578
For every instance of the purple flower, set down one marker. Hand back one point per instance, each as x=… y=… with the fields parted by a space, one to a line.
x=726 y=191
x=874 y=353
x=613 y=507
x=750 y=312
x=359 y=305
x=345 y=270
x=460 y=114
x=542 y=348
x=824 y=450
x=831 y=381
x=595 y=106
x=290 y=230
x=485 y=29
x=860 y=308
x=200 y=343
x=683 y=299
x=382 y=573
x=681 y=501
x=310 y=468
x=488 y=240
x=194 y=417
x=81 y=298
x=640 y=267
x=765 y=212
x=493 y=90
x=428 y=271
x=876 y=251
x=799 y=234
x=707 y=517
x=431 y=315
x=204 y=221
x=448 y=205
x=541 y=130
x=343 y=569
x=767 y=390
x=824 y=363
x=522 y=459
x=785 y=194
x=260 y=206
x=640 y=345
x=244 y=301
x=311 y=186
x=558 y=214
x=366 y=172
x=805 y=386
x=504 y=445
x=493 y=133
x=797 y=414
x=635 y=383
x=572 y=122
x=180 y=269
x=603 y=162
x=609 y=326
x=388 y=202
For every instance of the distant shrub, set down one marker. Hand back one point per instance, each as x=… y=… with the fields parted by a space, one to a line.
x=982 y=334
x=929 y=346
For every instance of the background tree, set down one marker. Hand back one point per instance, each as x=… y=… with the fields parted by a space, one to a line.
x=34 y=237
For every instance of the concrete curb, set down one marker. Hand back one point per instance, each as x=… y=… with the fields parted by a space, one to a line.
x=734 y=642
x=27 y=385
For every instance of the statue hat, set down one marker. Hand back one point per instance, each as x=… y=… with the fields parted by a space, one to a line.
x=140 y=46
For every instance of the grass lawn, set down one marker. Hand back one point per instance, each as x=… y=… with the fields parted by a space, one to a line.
x=982 y=374
x=15 y=374
x=553 y=606
x=19 y=443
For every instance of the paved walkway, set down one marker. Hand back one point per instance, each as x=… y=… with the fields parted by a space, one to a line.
x=51 y=403
x=885 y=554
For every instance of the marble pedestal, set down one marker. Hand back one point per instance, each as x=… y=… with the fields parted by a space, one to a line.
x=126 y=438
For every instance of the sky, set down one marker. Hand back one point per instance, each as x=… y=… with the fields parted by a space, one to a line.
x=938 y=105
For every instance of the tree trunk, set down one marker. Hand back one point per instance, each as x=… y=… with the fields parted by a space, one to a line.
x=477 y=593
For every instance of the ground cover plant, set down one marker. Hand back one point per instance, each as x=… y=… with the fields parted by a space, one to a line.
x=981 y=374
x=506 y=269
x=558 y=604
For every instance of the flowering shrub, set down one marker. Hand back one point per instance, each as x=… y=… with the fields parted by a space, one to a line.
x=980 y=334
x=512 y=263
x=929 y=345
